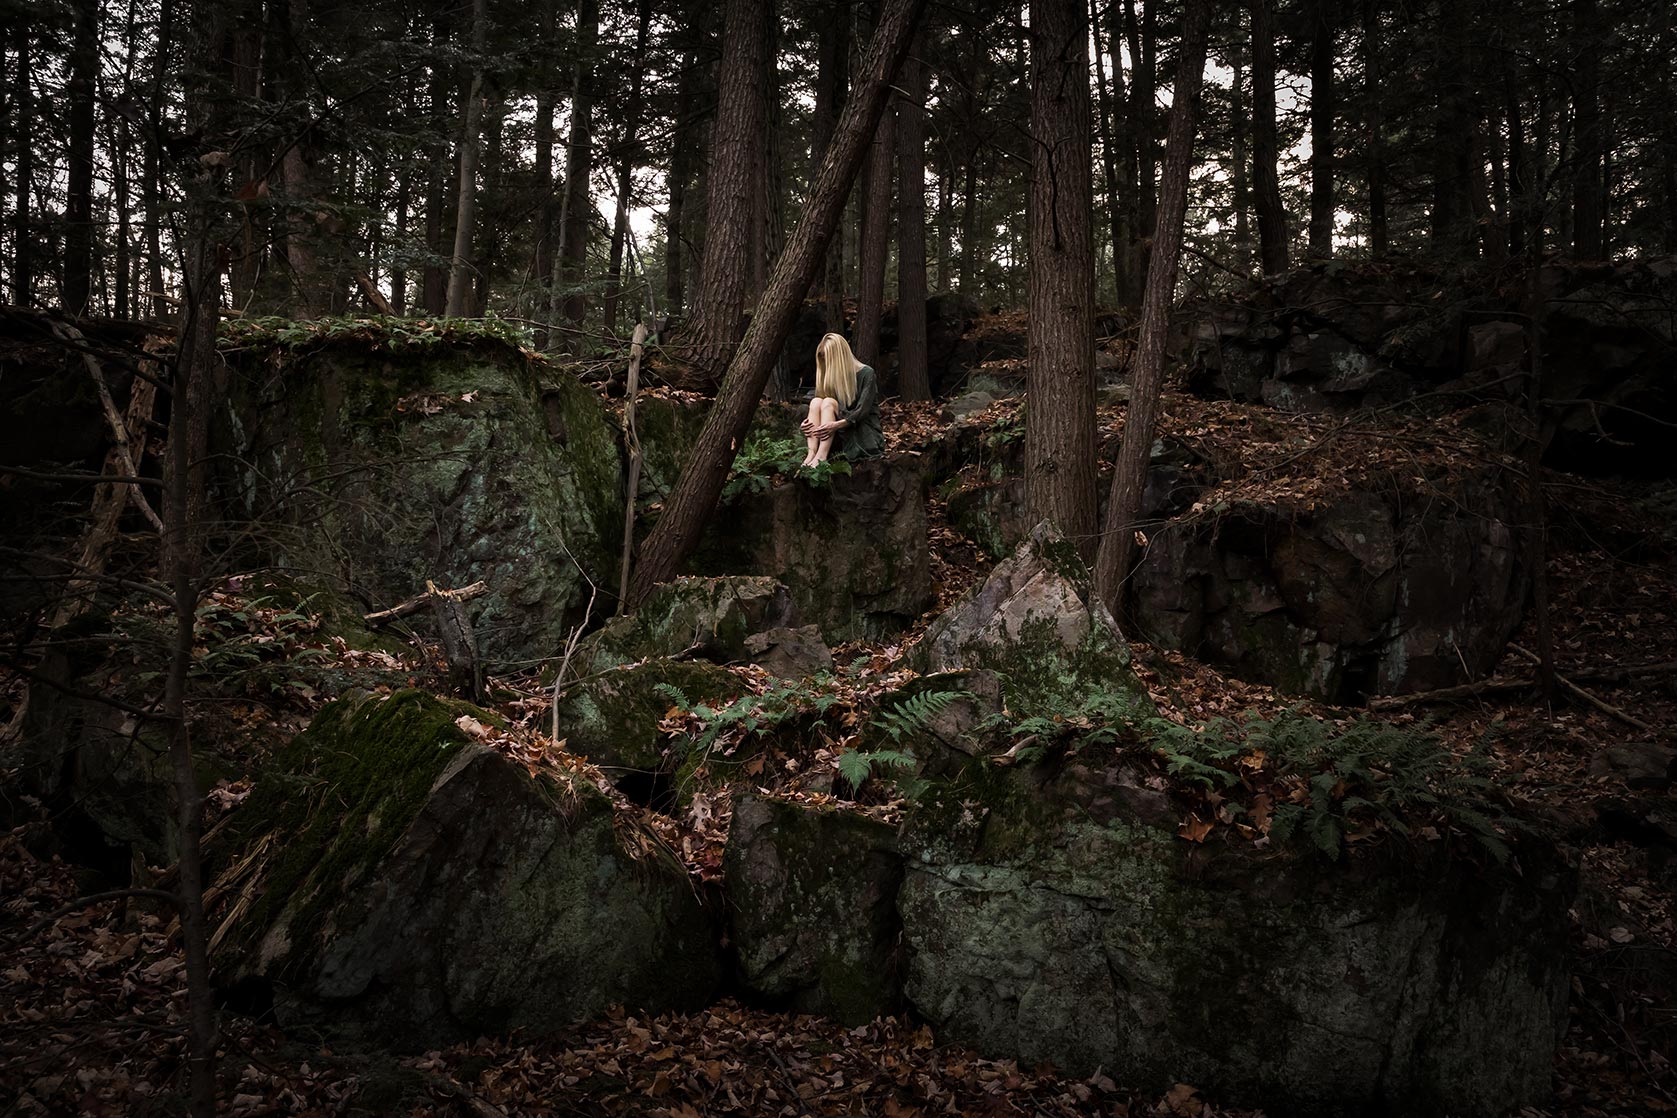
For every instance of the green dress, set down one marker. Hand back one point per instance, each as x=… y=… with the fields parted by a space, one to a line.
x=861 y=436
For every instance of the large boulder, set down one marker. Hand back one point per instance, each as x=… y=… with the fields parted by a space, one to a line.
x=407 y=882
x=812 y=892
x=451 y=462
x=611 y=717
x=853 y=552
x=1045 y=919
x=1038 y=623
x=1370 y=592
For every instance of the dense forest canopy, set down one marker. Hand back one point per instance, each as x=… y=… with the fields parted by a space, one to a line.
x=561 y=154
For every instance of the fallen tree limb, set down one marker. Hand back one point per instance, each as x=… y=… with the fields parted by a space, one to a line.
x=1450 y=694
x=1578 y=692
x=421 y=600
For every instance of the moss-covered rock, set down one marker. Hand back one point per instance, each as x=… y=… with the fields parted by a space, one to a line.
x=707 y=617
x=813 y=894
x=452 y=462
x=1038 y=623
x=612 y=718
x=407 y=882
x=854 y=553
x=1045 y=918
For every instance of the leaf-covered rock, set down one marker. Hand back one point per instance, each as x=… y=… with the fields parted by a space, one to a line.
x=711 y=618
x=407 y=882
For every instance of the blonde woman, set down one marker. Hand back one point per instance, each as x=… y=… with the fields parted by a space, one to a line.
x=844 y=415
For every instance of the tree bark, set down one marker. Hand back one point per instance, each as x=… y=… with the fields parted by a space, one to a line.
x=876 y=243
x=1272 y=214
x=541 y=257
x=675 y=216
x=1375 y=155
x=969 y=187
x=1060 y=359
x=78 y=196
x=736 y=149
x=913 y=378
x=1587 y=213
x=1321 y=130
x=1129 y=479
x=832 y=80
x=579 y=165
x=628 y=147
x=700 y=484
x=465 y=211
x=1109 y=160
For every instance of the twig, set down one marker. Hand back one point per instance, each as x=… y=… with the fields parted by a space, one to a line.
x=1573 y=689
x=420 y=601
x=570 y=647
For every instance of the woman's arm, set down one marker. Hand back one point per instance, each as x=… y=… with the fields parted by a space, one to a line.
x=867 y=398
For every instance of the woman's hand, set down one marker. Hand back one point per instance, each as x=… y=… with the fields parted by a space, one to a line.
x=826 y=430
x=807 y=426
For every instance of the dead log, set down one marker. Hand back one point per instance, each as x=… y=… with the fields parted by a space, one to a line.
x=459 y=641
x=1576 y=691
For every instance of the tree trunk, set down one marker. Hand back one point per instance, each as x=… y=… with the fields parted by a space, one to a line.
x=579 y=165
x=876 y=243
x=1144 y=120
x=735 y=152
x=1321 y=130
x=1129 y=479
x=1060 y=373
x=628 y=147
x=1587 y=215
x=1452 y=208
x=78 y=196
x=23 y=102
x=969 y=186
x=691 y=503
x=1266 y=184
x=945 y=221
x=1240 y=166
x=541 y=257
x=1109 y=161
x=1519 y=203
x=1375 y=159
x=681 y=169
x=465 y=211
x=913 y=378
x=832 y=79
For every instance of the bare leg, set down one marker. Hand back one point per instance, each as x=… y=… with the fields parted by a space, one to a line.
x=810 y=440
x=829 y=414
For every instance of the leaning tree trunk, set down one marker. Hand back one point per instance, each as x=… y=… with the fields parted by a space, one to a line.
x=78 y=196
x=1266 y=185
x=465 y=213
x=1060 y=366
x=736 y=148
x=690 y=505
x=1129 y=480
x=913 y=378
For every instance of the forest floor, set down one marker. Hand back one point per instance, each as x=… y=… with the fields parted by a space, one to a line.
x=92 y=1006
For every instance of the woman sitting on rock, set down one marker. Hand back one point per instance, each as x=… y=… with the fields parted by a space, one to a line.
x=844 y=415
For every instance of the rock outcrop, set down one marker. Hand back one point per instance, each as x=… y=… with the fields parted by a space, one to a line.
x=453 y=463
x=1037 y=622
x=1050 y=921
x=711 y=618
x=813 y=895
x=409 y=883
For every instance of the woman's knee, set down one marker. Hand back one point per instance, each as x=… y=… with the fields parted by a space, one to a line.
x=829 y=407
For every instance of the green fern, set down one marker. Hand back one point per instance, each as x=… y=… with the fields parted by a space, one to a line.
x=908 y=718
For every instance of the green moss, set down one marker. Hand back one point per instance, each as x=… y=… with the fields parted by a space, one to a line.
x=613 y=719
x=332 y=806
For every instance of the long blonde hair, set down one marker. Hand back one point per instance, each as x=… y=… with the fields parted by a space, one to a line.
x=835 y=369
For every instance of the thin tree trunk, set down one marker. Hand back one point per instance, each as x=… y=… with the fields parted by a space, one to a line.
x=1266 y=184
x=1060 y=368
x=945 y=221
x=78 y=196
x=628 y=147
x=913 y=378
x=23 y=98
x=1452 y=208
x=579 y=167
x=1375 y=160
x=690 y=505
x=1519 y=202
x=969 y=187
x=1109 y=161
x=1239 y=170
x=465 y=211
x=681 y=169
x=876 y=243
x=152 y=185
x=1321 y=131
x=832 y=79
x=1587 y=215
x=124 y=223
x=541 y=258
x=434 y=285
x=1129 y=479
x=1144 y=115
x=736 y=149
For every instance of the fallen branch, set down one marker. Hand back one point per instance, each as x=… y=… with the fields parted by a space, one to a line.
x=92 y=899
x=373 y=294
x=1450 y=694
x=141 y=406
x=420 y=601
x=1576 y=691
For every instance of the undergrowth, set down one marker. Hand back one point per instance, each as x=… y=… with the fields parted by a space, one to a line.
x=765 y=457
